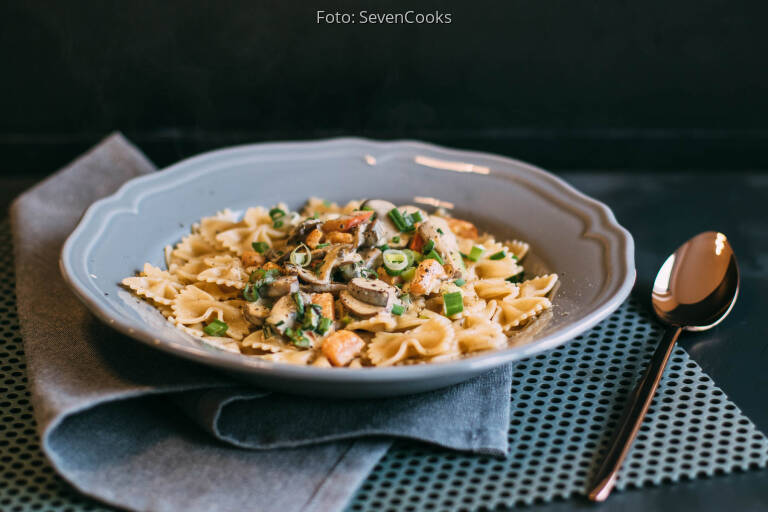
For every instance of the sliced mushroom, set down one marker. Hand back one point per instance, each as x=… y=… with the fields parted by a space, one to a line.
x=385 y=229
x=304 y=274
x=358 y=307
x=255 y=312
x=283 y=314
x=302 y=230
x=372 y=291
x=334 y=288
x=283 y=285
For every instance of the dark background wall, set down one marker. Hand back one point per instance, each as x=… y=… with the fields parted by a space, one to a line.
x=564 y=84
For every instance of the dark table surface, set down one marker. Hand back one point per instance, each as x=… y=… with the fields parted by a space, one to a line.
x=662 y=210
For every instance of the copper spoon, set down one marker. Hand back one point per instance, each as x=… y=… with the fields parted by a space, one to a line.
x=694 y=290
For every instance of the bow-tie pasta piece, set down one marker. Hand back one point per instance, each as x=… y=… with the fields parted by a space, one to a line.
x=515 y=312
x=494 y=268
x=495 y=288
x=538 y=286
x=432 y=338
x=258 y=227
x=518 y=248
x=194 y=305
x=153 y=283
x=225 y=271
x=476 y=332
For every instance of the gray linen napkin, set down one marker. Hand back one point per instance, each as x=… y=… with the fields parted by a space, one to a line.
x=121 y=421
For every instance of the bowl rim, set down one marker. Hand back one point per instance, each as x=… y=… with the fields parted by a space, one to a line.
x=601 y=225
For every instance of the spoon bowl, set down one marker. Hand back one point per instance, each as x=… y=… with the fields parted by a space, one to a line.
x=698 y=284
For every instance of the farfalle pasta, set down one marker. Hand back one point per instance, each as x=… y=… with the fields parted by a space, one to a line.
x=362 y=284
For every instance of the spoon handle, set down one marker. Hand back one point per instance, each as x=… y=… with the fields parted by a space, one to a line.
x=633 y=417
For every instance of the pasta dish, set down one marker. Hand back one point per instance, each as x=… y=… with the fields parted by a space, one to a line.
x=365 y=284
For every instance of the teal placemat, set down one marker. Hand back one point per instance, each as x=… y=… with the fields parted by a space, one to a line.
x=565 y=403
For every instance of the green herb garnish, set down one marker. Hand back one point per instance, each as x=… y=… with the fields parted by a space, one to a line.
x=452 y=303
x=517 y=278
x=460 y=282
x=323 y=325
x=475 y=253
x=398 y=310
x=260 y=247
x=215 y=328
x=433 y=255
x=498 y=255
x=276 y=213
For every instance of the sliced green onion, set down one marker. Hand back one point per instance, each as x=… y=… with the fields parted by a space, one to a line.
x=277 y=224
x=452 y=303
x=460 y=282
x=440 y=231
x=514 y=257
x=433 y=255
x=383 y=248
x=320 y=246
x=367 y=208
x=408 y=273
x=398 y=310
x=347 y=320
x=215 y=328
x=299 y=259
x=323 y=325
x=517 y=278
x=260 y=247
x=276 y=213
x=251 y=293
x=395 y=239
x=395 y=260
x=297 y=338
x=498 y=255
x=428 y=246
x=413 y=256
x=391 y=272
x=401 y=222
x=476 y=252
x=299 y=300
x=311 y=318
x=416 y=217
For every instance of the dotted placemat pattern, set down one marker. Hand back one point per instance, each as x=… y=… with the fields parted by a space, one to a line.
x=565 y=404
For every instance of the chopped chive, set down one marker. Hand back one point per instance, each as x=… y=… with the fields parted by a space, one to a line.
x=276 y=213
x=440 y=231
x=311 y=318
x=215 y=328
x=323 y=325
x=395 y=239
x=260 y=247
x=475 y=253
x=460 y=282
x=250 y=293
x=517 y=278
x=277 y=224
x=384 y=247
x=428 y=246
x=514 y=257
x=416 y=217
x=367 y=208
x=320 y=246
x=398 y=310
x=299 y=300
x=401 y=222
x=452 y=303
x=297 y=337
x=433 y=255
x=498 y=255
